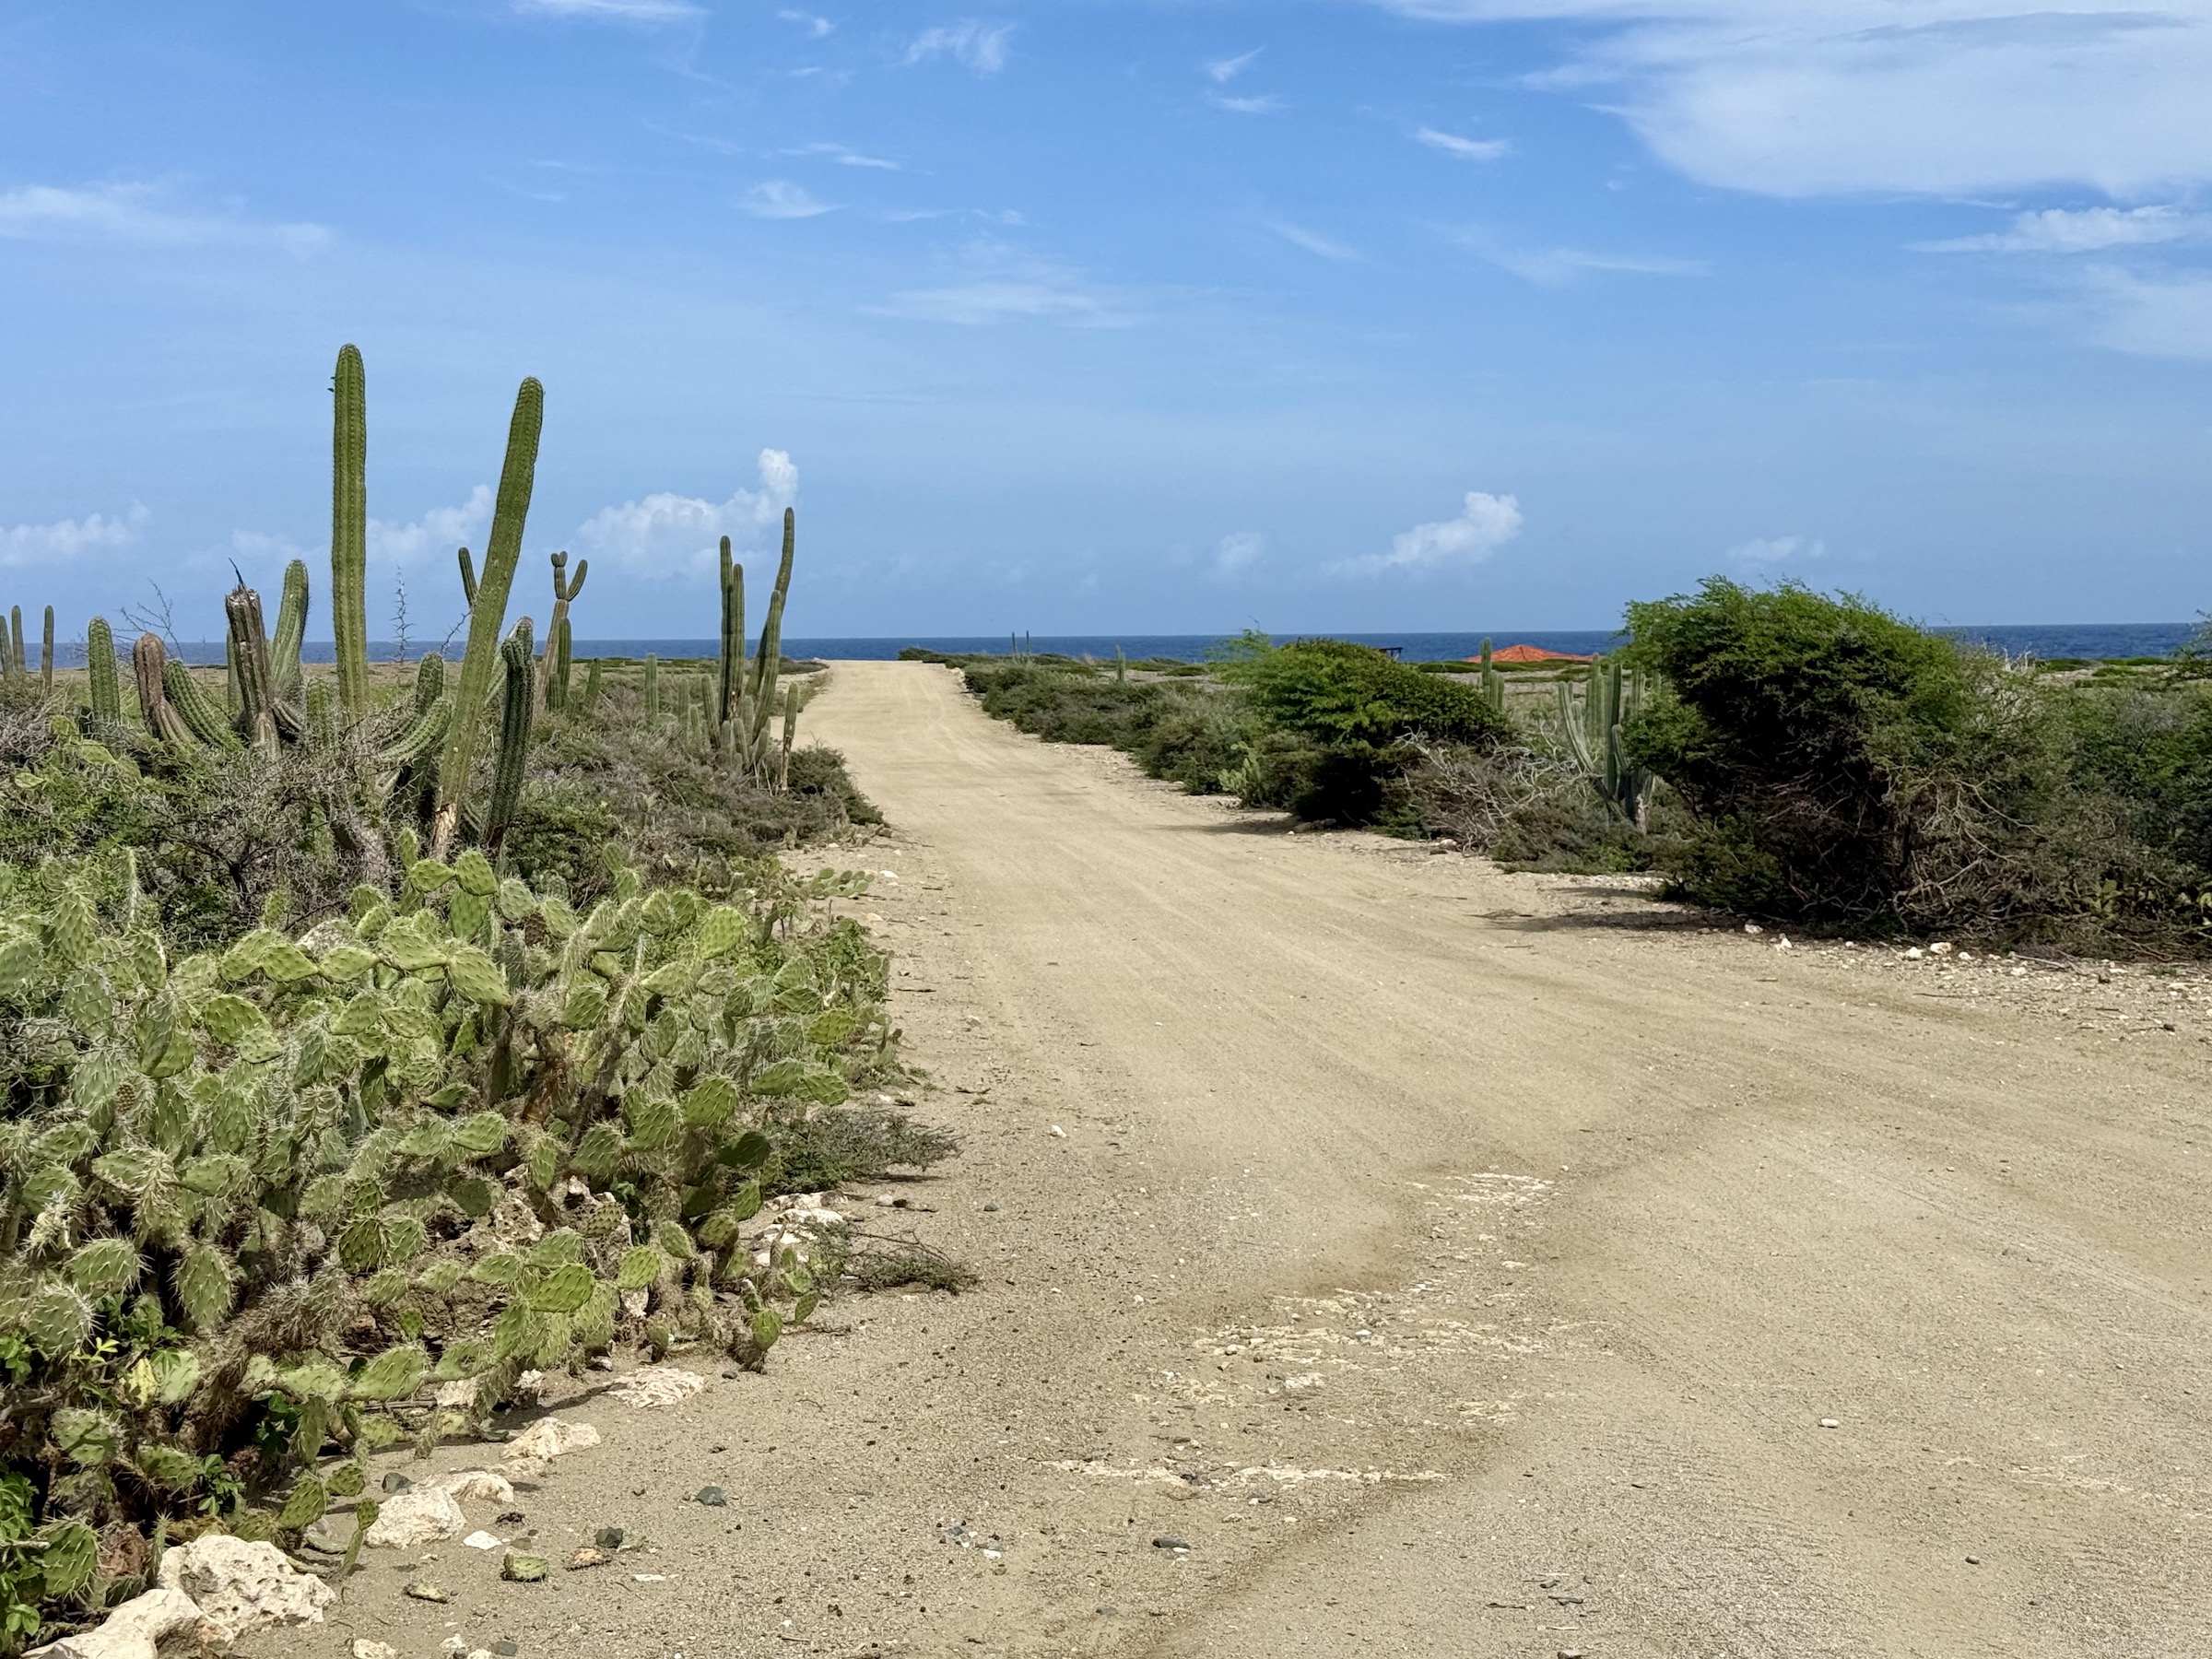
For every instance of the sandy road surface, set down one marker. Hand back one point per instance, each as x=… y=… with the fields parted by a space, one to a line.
x=1455 y=1264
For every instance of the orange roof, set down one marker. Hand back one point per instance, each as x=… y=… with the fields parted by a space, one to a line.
x=1532 y=654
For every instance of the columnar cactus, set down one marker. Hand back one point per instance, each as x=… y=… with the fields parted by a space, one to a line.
x=769 y=660
x=349 y=532
x=147 y=661
x=18 y=663
x=201 y=718
x=513 y=755
x=291 y=628
x=557 y=629
x=733 y=639
x=1493 y=683
x=46 y=654
x=591 y=685
x=653 y=686
x=487 y=610
x=1593 y=734
x=99 y=667
x=253 y=672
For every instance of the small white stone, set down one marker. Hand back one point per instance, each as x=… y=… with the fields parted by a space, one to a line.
x=483 y=1540
x=1058 y=1133
x=365 y=1649
x=479 y=1486
x=1829 y=1423
x=418 y=1515
x=1753 y=927
x=549 y=1437
x=658 y=1385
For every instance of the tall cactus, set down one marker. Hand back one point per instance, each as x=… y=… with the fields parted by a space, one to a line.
x=653 y=686
x=1593 y=734
x=733 y=638
x=487 y=610
x=46 y=654
x=591 y=685
x=349 y=532
x=291 y=628
x=99 y=668
x=18 y=662
x=513 y=755
x=147 y=660
x=565 y=588
x=768 y=660
x=262 y=717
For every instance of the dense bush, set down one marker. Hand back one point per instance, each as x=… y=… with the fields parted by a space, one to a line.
x=1185 y=733
x=253 y=1202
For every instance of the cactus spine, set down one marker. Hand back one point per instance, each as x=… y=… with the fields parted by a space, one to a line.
x=565 y=590
x=349 y=532
x=46 y=654
x=291 y=628
x=99 y=667
x=487 y=610
x=513 y=752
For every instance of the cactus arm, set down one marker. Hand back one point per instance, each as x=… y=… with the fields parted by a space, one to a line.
x=291 y=628
x=46 y=654
x=487 y=610
x=430 y=680
x=468 y=578
x=422 y=733
x=349 y=532
x=513 y=753
x=99 y=669
x=195 y=707
x=769 y=660
x=583 y=567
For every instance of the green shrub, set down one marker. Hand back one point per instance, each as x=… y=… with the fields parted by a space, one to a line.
x=1186 y=733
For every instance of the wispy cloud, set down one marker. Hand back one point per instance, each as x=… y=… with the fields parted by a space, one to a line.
x=67 y=538
x=1224 y=70
x=981 y=47
x=1266 y=105
x=1237 y=552
x=666 y=534
x=1767 y=552
x=1324 y=247
x=845 y=157
x=782 y=199
x=1942 y=96
x=2082 y=230
x=141 y=214
x=617 y=11
x=1003 y=286
x=1485 y=523
x=2154 y=316
x=1467 y=149
x=1550 y=268
x=814 y=27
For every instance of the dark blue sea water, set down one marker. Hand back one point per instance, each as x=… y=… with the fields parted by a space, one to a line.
x=2093 y=639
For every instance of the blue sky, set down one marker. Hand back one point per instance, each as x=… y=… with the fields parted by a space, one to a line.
x=1095 y=317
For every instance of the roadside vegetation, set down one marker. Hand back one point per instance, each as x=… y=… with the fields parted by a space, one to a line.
x=1779 y=753
x=370 y=1036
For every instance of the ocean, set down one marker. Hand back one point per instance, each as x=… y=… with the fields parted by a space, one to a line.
x=2089 y=640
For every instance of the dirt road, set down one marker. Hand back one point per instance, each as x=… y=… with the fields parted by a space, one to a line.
x=1449 y=1264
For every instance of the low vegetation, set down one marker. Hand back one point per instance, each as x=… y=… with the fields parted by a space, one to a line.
x=383 y=1028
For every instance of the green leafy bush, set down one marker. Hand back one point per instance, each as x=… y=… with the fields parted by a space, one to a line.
x=1187 y=734
x=253 y=1202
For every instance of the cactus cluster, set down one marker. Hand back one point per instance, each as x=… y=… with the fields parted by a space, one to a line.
x=750 y=705
x=242 y=1189
x=1591 y=725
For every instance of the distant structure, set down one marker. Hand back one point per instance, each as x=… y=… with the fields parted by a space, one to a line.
x=1533 y=653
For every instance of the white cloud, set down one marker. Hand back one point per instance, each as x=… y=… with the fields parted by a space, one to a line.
x=981 y=47
x=65 y=538
x=1941 y=97
x=780 y=199
x=2085 y=230
x=1550 y=268
x=1484 y=525
x=814 y=27
x=1770 y=551
x=619 y=11
x=845 y=157
x=1006 y=286
x=1467 y=149
x=1223 y=70
x=1315 y=243
x=436 y=533
x=1267 y=105
x=2166 y=316
x=664 y=535
x=140 y=214
x=1237 y=552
